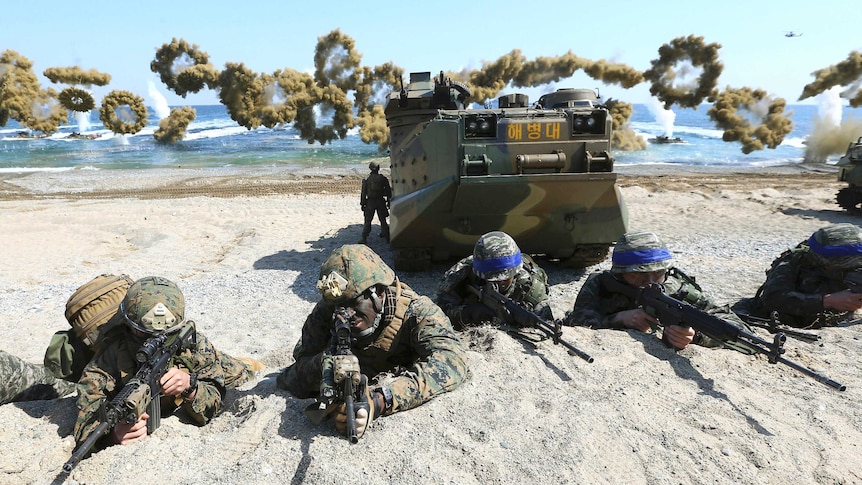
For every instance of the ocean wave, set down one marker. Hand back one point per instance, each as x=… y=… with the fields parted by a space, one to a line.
x=36 y=169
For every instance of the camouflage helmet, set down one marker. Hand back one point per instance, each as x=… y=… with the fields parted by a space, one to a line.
x=640 y=252
x=153 y=305
x=374 y=166
x=838 y=245
x=350 y=270
x=496 y=257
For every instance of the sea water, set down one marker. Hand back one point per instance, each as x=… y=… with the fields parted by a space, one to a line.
x=214 y=140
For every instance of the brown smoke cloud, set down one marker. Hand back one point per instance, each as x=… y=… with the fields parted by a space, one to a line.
x=285 y=93
x=486 y=83
x=183 y=67
x=123 y=112
x=669 y=82
x=19 y=87
x=623 y=138
x=737 y=110
x=45 y=114
x=373 y=127
x=336 y=61
x=828 y=139
x=241 y=90
x=74 y=75
x=369 y=98
x=333 y=105
x=76 y=99
x=173 y=128
x=846 y=73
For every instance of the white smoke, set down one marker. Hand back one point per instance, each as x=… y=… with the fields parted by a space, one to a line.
x=160 y=104
x=664 y=117
x=83 y=120
x=829 y=105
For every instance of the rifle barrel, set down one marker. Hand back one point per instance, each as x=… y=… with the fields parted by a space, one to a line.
x=86 y=446
x=543 y=326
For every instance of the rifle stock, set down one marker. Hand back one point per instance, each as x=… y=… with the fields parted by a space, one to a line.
x=141 y=393
x=512 y=312
x=670 y=311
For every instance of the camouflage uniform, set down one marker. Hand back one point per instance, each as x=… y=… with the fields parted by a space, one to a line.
x=800 y=277
x=374 y=198
x=115 y=365
x=596 y=306
x=151 y=306
x=23 y=381
x=414 y=340
x=529 y=289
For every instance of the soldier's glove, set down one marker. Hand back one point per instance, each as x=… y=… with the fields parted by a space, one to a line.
x=476 y=314
x=363 y=409
x=363 y=206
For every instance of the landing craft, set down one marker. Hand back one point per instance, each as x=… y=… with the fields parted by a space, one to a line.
x=542 y=173
x=791 y=33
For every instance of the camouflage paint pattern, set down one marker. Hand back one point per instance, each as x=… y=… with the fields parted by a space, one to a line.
x=145 y=294
x=529 y=289
x=595 y=305
x=350 y=270
x=537 y=174
x=426 y=358
x=639 y=241
x=850 y=171
x=494 y=245
x=115 y=365
x=23 y=381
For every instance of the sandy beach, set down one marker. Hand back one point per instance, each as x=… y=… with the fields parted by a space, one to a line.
x=246 y=247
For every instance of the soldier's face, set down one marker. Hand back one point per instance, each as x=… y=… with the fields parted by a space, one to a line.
x=364 y=315
x=645 y=278
x=503 y=285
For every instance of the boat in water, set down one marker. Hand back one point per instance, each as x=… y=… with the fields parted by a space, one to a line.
x=661 y=139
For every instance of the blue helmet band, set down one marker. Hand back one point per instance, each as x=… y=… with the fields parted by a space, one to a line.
x=641 y=256
x=835 y=251
x=497 y=264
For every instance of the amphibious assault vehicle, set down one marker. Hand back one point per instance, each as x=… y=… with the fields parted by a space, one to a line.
x=850 y=171
x=541 y=173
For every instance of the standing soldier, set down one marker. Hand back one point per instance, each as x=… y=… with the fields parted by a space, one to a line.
x=375 y=196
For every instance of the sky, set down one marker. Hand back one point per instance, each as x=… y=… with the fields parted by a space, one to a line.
x=266 y=35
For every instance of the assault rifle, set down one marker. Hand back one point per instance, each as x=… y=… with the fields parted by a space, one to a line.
x=773 y=325
x=511 y=312
x=670 y=311
x=141 y=394
x=342 y=380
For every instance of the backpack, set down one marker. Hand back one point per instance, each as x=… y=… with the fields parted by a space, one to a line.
x=92 y=312
x=374 y=185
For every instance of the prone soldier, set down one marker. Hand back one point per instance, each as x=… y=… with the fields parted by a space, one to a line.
x=391 y=330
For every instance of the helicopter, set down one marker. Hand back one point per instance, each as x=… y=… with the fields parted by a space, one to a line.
x=791 y=33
